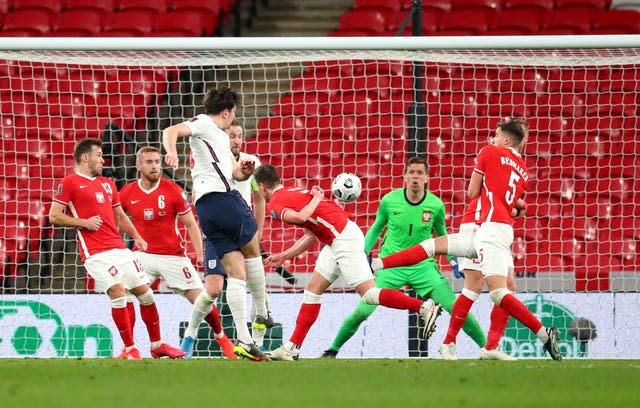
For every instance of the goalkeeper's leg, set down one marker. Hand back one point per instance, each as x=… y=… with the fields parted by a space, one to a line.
x=351 y=324
x=384 y=279
x=443 y=294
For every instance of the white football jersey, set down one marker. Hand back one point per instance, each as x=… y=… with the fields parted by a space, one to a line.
x=244 y=187
x=212 y=160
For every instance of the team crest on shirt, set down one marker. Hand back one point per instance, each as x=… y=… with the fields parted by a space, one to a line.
x=58 y=190
x=148 y=214
x=100 y=197
x=107 y=188
x=426 y=216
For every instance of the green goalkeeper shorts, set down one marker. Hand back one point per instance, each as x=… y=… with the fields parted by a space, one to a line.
x=422 y=279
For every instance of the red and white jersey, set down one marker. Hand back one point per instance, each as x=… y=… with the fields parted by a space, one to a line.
x=155 y=214
x=326 y=222
x=505 y=181
x=472 y=212
x=88 y=196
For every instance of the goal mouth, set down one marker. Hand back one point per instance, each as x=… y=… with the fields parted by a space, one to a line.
x=318 y=107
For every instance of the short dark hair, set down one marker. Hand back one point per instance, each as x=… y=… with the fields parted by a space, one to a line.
x=417 y=160
x=217 y=100
x=515 y=128
x=267 y=175
x=85 y=146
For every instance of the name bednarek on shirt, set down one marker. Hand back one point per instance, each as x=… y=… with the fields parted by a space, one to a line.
x=509 y=162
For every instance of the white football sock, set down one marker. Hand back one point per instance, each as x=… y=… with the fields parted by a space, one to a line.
x=237 y=300
x=256 y=282
x=201 y=308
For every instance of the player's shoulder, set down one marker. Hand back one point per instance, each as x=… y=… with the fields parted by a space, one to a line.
x=129 y=187
x=433 y=199
x=489 y=149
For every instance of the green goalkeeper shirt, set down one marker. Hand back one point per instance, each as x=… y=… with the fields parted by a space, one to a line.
x=407 y=223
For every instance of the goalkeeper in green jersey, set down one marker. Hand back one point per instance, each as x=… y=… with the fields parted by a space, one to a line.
x=411 y=215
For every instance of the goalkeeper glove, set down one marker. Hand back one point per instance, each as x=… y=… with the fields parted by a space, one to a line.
x=454 y=267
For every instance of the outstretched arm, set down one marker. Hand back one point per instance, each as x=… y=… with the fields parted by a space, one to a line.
x=169 y=140
x=301 y=245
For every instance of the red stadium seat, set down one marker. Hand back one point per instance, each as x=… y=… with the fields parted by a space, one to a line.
x=87 y=21
x=522 y=80
x=454 y=103
x=191 y=24
x=282 y=127
x=302 y=104
x=475 y=20
x=528 y=19
x=351 y=103
x=372 y=21
x=510 y=104
x=49 y=6
x=139 y=21
x=596 y=4
x=623 y=104
x=159 y=6
x=626 y=20
x=103 y=6
x=573 y=79
x=394 y=5
x=578 y=18
x=340 y=127
x=210 y=12
x=35 y=21
x=543 y=4
x=561 y=104
x=475 y=4
x=616 y=80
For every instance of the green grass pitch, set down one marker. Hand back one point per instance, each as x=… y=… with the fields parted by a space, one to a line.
x=376 y=383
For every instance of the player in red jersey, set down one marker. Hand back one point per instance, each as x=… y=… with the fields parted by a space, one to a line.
x=343 y=254
x=94 y=204
x=155 y=204
x=499 y=181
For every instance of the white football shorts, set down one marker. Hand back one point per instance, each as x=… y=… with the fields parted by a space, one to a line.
x=493 y=246
x=468 y=230
x=346 y=257
x=113 y=267
x=177 y=271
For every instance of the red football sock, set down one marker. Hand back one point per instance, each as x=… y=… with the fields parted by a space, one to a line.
x=518 y=310
x=406 y=257
x=213 y=318
x=459 y=314
x=149 y=314
x=499 y=321
x=121 y=318
x=132 y=316
x=306 y=318
x=398 y=300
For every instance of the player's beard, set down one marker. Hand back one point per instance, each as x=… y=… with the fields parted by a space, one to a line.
x=152 y=177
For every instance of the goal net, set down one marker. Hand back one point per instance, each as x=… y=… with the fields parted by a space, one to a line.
x=315 y=114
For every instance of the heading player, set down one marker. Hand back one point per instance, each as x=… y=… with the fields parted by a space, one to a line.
x=230 y=229
x=156 y=204
x=96 y=213
x=499 y=180
x=342 y=254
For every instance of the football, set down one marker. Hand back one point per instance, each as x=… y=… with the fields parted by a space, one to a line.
x=346 y=187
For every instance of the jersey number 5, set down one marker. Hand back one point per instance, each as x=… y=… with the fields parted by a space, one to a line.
x=510 y=195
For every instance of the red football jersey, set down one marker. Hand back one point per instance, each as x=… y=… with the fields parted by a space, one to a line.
x=472 y=212
x=88 y=196
x=155 y=214
x=326 y=222
x=505 y=181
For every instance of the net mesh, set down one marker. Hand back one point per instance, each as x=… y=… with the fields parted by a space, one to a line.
x=315 y=114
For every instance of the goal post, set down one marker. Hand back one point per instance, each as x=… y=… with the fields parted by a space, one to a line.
x=316 y=107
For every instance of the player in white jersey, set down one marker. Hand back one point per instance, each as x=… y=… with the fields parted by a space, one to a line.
x=249 y=191
x=231 y=231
